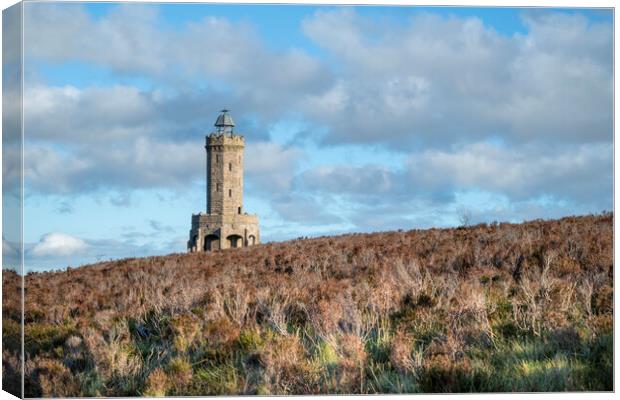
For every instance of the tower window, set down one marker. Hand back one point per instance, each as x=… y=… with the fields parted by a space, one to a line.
x=229 y=192
x=239 y=210
x=217 y=158
x=230 y=166
x=219 y=187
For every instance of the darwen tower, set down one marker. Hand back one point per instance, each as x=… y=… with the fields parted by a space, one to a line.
x=225 y=225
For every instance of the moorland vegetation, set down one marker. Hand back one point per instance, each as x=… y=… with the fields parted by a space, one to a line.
x=487 y=308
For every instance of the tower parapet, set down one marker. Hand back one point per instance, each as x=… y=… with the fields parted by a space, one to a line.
x=222 y=139
x=225 y=224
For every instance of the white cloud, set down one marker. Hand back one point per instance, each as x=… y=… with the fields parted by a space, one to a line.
x=434 y=80
x=368 y=180
x=301 y=209
x=580 y=173
x=11 y=168
x=59 y=244
x=134 y=164
x=124 y=40
x=132 y=40
x=270 y=166
x=48 y=171
x=439 y=80
x=6 y=247
x=11 y=254
x=92 y=114
x=9 y=249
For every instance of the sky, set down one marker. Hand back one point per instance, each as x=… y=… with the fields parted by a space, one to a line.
x=356 y=119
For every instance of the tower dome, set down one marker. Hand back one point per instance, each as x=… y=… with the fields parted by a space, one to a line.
x=224 y=123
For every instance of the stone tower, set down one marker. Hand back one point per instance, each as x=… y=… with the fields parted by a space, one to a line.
x=225 y=225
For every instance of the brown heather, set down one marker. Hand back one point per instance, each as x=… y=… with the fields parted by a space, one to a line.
x=499 y=307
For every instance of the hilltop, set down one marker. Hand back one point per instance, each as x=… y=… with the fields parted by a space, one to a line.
x=491 y=307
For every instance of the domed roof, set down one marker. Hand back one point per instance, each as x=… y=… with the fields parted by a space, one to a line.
x=224 y=119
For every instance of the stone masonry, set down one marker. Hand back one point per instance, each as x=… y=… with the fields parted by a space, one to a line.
x=225 y=225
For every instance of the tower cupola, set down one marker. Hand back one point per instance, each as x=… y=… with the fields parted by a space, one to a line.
x=224 y=123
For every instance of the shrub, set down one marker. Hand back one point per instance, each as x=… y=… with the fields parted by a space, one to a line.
x=185 y=329
x=179 y=373
x=156 y=384
x=402 y=355
x=44 y=337
x=250 y=340
x=326 y=354
x=215 y=380
x=55 y=379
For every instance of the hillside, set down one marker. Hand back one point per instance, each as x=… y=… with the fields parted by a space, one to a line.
x=500 y=307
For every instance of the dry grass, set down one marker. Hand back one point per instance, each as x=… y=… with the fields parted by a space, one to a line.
x=499 y=307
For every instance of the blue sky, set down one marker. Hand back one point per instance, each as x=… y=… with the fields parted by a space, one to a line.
x=357 y=119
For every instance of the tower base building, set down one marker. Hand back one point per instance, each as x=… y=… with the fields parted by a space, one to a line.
x=225 y=225
x=214 y=232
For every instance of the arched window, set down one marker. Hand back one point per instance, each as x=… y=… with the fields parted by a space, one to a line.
x=230 y=166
